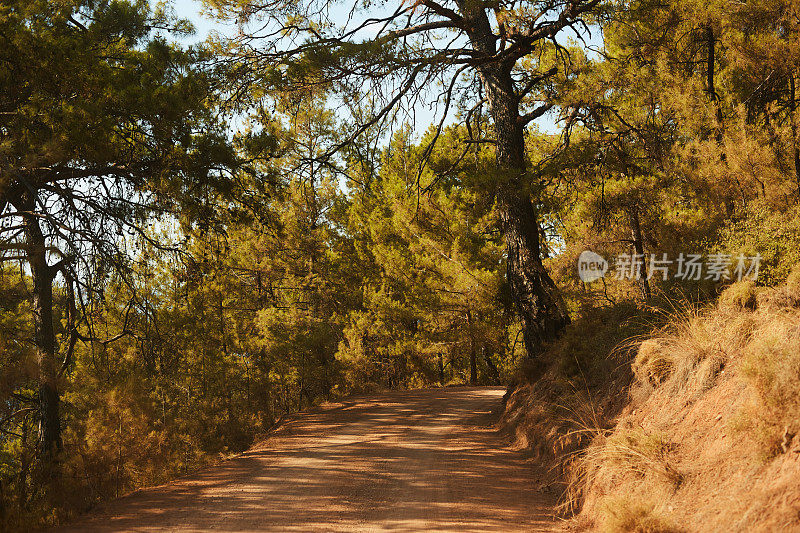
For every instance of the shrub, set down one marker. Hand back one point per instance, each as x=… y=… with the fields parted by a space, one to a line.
x=771 y=233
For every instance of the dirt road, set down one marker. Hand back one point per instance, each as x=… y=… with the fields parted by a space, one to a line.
x=403 y=461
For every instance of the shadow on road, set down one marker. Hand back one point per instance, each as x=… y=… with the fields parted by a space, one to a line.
x=404 y=461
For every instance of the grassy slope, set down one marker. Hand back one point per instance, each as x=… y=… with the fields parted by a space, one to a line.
x=696 y=432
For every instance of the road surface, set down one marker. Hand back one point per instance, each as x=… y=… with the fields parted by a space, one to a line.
x=425 y=460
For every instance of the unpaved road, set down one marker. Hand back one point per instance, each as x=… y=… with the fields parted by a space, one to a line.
x=423 y=460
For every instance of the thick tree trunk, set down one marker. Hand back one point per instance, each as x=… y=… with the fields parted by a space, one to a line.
x=44 y=332
x=536 y=298
x=24 y=469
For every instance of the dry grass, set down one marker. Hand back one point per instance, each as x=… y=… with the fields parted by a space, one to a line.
x=691 y=351
x=771 y=362
x=625 y=515
x=707 y=431
x=633 y=451
x=759 y=330
x=751 y=342
x=653 y=363
x=560 y=413
x=741 y=296
x=785 y=296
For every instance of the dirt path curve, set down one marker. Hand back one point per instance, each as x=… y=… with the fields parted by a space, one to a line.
x=423 y=460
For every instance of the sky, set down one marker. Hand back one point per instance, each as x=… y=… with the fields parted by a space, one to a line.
x=191 y=9
x=204 y=26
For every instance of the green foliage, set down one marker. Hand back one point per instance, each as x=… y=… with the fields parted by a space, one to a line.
x=592 y=347
x=772 y=234
x=432 y=307
x=106 y=126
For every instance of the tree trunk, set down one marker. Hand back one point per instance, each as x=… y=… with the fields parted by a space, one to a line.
x=22 y=484
x=44 y=333
x=473 y=355
x=638 y=248
x=535 y=295
x=441 y=368
x=793 y=118
x=711 y=42
x=494 y=374
x=711 y=85
x=536 y=298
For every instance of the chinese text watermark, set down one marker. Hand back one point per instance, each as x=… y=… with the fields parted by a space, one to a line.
x=692 y=267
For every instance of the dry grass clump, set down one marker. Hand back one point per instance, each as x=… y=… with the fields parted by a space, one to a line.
x=639 y=451
x=653 y=363
x=692 y=350
x=697 y=344
x=753 y=334
x=784 y=296
x=625 y=452
x=627 y=515
x=764 y=340
x=771 y=362
x=582 y=391
x=742 y=295
x=707 y=372
x=793 y=281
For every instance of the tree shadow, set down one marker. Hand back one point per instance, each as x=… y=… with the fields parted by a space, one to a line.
x=424 y=460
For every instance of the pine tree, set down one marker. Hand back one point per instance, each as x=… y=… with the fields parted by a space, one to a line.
x=103 y=123
x=512 y=53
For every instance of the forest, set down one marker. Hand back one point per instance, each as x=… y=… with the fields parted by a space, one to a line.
x=338 y=198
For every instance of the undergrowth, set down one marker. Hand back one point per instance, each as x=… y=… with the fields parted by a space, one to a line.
x=752 y=332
